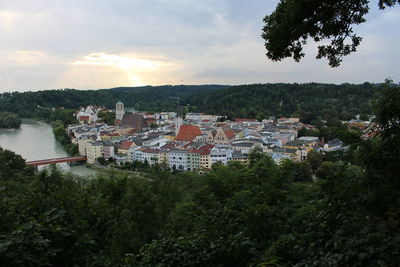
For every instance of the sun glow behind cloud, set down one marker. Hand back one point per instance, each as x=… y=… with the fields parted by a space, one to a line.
x=132 y=69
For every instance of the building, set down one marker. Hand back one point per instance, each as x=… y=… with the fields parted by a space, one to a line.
x=82 y=144
x=108 y=150
x=177 y=159
x=222 y=135
x=240 y=157
x=205 y=159
x=221 y=154
x=94 y=150
x=245 y=147
x=147 y=154
x=193 y=160
x=119 y=110
x=278 y=154
x=188 y=133
x=334 y=145
x=136 y=121
x=124 y=147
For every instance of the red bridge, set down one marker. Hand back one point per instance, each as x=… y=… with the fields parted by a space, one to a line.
x=55 y=160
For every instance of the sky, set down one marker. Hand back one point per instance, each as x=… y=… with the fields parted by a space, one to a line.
x=92 y=44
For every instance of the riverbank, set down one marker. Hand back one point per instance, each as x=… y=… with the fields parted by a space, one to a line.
x=35 y=140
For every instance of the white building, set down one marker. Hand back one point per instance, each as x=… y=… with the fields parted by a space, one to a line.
x=222 y=154
x=178 y=159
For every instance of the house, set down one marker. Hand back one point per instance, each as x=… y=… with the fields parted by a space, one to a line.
x=177 y=159
x=124 y=147
x=205 y=159
x=243 y=147
x=82 y=144
x=240 y=157
x=222 y=135
x=122 y=158
x=278 y=154
x=221 y=154
x=193 y=160
x=94 y=151
x=108 y=150
x=88 y=114
x=333 y=145
x=193 y=116
x=305 y=146
x=147 y=154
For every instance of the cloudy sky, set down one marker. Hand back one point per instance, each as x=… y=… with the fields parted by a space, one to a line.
x=88 y=44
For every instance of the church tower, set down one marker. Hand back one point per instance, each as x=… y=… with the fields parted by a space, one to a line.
x=119 y=110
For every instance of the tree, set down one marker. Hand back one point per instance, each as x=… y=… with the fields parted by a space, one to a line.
x=287 y=29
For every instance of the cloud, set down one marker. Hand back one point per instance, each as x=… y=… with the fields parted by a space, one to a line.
x=99 y=44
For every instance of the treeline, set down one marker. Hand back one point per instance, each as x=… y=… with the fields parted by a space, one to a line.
x=9 y=120
x=311 y=102
x=149 y=98
x=261 y=214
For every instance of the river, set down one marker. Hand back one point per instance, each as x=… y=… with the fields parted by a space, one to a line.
x=35 y=140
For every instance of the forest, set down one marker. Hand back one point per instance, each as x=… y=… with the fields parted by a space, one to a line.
x=260 y=214
x=311 y=102
x=148 y=98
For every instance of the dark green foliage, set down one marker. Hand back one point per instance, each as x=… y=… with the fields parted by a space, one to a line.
x=149 y=98
x=59 y=130
x=309 y=102
x=107 y=117
x=259 y=214
x=9 y=120
x=288 y=28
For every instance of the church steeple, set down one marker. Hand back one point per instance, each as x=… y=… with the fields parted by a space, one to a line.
x=119 y=110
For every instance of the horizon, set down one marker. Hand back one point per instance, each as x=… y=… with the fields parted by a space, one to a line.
x=93 y=44
x=206 y=84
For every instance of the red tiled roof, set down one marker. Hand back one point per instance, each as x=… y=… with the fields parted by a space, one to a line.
x=243 y=120
x=134 y=130
x=188 y=132
x=204 y=150
x=110 y=134
x=170 y=145
x=356 y=125
x=229 y=133
x=125 y=145
x=84 y=118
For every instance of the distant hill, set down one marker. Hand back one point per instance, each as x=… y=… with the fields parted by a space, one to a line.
x=308 y=101
x=142 y=98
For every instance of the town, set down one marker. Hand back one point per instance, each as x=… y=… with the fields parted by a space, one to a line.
x=193 y=143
